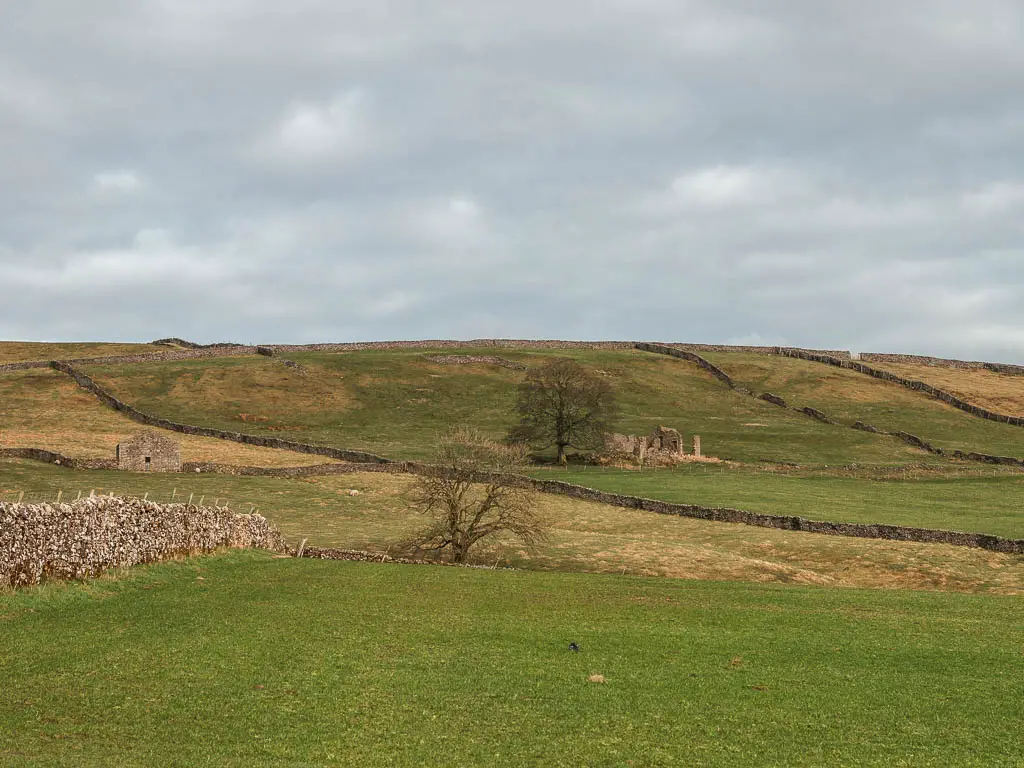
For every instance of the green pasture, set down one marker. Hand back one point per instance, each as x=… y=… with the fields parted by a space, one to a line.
x=247 y=660
x=986 y=502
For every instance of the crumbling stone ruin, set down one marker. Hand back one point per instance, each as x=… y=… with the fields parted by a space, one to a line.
x=663 y=446
x=149 y=451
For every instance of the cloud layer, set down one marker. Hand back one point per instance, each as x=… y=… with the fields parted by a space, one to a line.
x=819 y=174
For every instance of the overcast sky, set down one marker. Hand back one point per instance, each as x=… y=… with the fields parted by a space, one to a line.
x=818 y=173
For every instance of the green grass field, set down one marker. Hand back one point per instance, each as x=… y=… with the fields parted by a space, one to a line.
x=982 y=504
x=246 y=660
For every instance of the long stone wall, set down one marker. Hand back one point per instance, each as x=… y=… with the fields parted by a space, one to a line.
x=942 y=362
x=86 y=382
x=24 y=366
x=523 y=344
x=89 y=536
x=750 y=350
x=684 y=354
x=145 y=357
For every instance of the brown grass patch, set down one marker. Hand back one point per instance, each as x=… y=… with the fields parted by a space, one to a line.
x=251 y=418
x=45 y=409
x=997 y=392
x=271 y=387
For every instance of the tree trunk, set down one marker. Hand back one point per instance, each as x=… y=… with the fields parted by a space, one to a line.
x=561 y=454
x=459 y=552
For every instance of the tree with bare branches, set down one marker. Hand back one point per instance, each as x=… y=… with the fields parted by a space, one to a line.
x=469 y=494
x=562 y=404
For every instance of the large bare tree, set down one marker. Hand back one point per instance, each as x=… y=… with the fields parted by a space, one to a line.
x=469 y=494
x=562 y=404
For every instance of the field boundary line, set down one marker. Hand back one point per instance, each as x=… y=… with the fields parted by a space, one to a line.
x=712 y=514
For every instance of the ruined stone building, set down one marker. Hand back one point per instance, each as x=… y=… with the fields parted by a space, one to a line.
x=149 y=452
x=663 y=444
x=665 y=440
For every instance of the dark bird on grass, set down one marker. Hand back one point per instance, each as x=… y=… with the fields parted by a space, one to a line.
x=574 y=648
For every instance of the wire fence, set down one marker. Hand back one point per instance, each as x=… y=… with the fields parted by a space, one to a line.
x=173 y=496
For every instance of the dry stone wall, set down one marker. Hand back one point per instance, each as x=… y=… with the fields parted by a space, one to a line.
x=89 y=536
x=147 y=357
x=751 y=350
x=942 y=362
x=23 y=366
x=523 y=344
x=684 y=354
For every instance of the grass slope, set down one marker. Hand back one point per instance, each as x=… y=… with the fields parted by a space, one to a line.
x=45 y=409
x=395 y=402
x=245 y=660
x=850 y=396
x=584 y=536
x=998 y=392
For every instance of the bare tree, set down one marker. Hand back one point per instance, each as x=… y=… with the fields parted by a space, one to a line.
x=564 y=405
x=470 y=495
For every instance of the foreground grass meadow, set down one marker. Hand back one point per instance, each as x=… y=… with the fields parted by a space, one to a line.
x=247 y=660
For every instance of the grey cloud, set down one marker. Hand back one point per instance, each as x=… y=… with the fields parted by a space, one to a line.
x=824 y=174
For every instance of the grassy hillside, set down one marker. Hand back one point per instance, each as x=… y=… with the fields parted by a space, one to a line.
x=246 y=660
x=849 y=396
x=45 y=409
x=594 y=537
x=395 y=403
x=18 y=351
